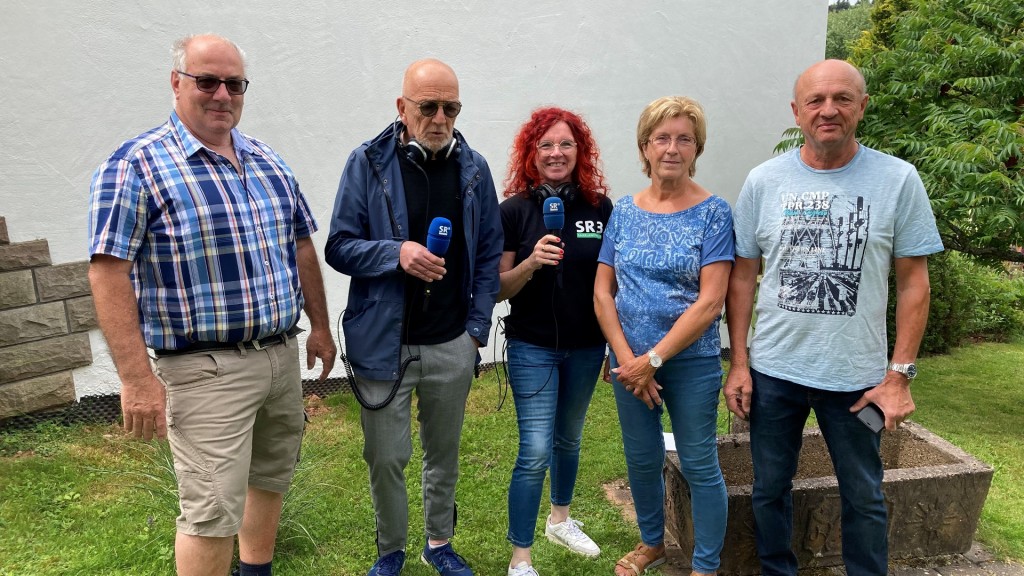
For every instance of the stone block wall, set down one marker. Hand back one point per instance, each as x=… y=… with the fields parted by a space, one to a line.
x=46 y=312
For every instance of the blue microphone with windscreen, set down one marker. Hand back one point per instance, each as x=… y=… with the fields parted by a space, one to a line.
x=439 y=237
x=554 y=221
x=554 y=215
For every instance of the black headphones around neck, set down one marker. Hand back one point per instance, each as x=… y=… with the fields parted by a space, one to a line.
x=419 y=155
x=566 y=191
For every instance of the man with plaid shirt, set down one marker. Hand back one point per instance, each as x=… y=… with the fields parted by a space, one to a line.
x=200 y=250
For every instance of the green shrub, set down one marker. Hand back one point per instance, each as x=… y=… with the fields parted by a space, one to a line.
x=997 y=305
x=969 y=301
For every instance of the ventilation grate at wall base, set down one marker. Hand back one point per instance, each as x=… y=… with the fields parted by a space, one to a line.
x=106 y=408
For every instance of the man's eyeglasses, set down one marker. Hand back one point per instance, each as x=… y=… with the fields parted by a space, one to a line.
x=210 y=84
x=664 y=140
x=429 y=108
x=548 y=146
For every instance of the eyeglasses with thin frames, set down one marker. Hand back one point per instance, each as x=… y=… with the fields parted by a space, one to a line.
x=210 y=84
x=548 y=146
x=664 y=140
x=428 y=108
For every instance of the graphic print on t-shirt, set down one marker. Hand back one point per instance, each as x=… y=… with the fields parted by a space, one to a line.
x=823 y=238
x=589 y=229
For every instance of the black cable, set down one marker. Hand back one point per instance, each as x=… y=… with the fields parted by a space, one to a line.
x=350 y=374
x=501 y=367
x=405 y=327
x=551 y=370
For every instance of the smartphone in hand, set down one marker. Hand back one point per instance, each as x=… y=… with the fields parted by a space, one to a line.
x=872 y=417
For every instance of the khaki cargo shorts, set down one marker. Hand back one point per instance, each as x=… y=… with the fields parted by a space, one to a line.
x=234 y=420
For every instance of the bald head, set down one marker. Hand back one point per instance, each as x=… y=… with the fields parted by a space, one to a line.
x=831 y=69
x=428 y=85
x=209 y=116
x=428 y=71
x=829 y=100
x=181 y=48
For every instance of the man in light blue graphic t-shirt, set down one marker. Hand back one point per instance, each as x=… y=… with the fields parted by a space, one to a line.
x=829 y=219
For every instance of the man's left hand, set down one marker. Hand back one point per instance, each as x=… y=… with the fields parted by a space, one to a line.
x=892 y=396
x=320 y=344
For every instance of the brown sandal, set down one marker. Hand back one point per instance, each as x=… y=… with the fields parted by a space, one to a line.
x=640 y=560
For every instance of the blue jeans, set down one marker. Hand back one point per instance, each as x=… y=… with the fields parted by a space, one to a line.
x=778 y=412
x=552 y=390
x=689 y=393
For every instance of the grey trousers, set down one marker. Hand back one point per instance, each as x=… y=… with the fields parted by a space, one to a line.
x=441 y=379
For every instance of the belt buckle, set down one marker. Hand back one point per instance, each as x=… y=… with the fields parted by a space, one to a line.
x=257 y=345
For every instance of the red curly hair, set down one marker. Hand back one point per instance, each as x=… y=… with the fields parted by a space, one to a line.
x=522 y=165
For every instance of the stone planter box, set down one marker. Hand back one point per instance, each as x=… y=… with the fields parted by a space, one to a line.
x=933 y=489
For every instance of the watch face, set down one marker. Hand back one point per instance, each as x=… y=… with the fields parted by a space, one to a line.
x=911 y=371
x=654 y=359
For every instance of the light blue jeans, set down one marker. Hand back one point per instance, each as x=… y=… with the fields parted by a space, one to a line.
x=552 y=390
x=689 y=394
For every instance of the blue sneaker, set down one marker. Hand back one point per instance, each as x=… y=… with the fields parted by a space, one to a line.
x=388 y=565
x=445 y=560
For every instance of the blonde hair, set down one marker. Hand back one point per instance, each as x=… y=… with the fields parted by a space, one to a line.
x=664 y=109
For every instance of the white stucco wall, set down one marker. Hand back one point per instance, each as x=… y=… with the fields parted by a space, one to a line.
x=79 y=78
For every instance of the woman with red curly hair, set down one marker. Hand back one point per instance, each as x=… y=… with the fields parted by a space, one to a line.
x=555 y=345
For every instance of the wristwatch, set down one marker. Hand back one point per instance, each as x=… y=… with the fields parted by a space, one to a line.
x=908 y=370
x=654 y=359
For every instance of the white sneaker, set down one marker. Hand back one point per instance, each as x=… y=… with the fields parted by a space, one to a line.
x=522 y=569
x=568 y=534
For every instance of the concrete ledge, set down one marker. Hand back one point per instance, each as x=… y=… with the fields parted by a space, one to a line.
x=63 y=281
x=24 y=255
x=41 y=357
x=81 y=314
x=17 y=289
x=35 y=394
x=32 y=323
x=934 y=491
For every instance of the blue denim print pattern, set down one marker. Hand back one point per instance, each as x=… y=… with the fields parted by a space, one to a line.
x=657 y=260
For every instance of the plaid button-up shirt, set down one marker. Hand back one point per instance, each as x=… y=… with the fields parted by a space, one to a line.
x=213 y=249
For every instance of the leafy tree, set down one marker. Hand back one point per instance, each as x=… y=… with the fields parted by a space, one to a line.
x=948 y=96
x=884 y=14
x=946 y=80
x=845 y=26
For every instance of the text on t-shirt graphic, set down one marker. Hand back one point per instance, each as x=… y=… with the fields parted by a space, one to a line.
x=823 y=237
x=589 y=229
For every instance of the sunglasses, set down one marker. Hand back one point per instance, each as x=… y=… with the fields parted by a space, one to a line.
x=210 y=84
x=428 y=108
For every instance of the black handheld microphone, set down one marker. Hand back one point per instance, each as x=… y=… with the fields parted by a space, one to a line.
x=439 y=236
x=554 y=221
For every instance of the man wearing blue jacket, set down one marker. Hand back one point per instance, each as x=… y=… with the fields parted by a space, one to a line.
x=415 y=319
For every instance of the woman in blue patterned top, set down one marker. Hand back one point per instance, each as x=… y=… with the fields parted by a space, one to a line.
x=660 y=286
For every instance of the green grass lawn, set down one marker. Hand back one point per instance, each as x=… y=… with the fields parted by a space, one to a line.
x=86 y=500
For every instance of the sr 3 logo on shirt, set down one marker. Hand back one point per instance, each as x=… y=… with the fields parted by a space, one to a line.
x=589 y=229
